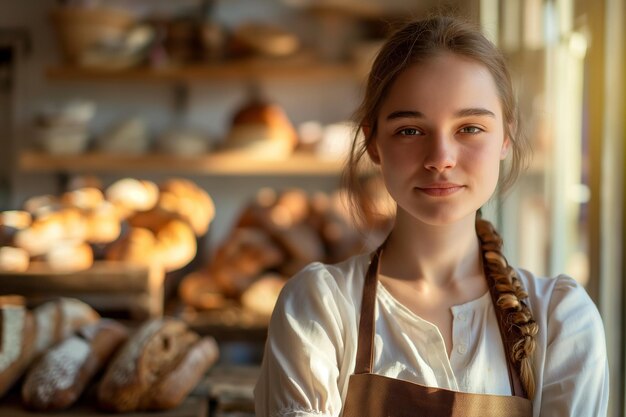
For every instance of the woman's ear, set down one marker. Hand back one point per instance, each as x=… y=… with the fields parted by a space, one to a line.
x=372 y=150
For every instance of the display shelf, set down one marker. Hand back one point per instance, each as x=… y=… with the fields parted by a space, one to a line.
x=236 y=70
x=218 y=163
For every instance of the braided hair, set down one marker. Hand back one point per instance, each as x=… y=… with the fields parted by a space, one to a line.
x=514 y=314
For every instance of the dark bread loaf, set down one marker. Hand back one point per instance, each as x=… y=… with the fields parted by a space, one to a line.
x=58 y=379
x=156 y=368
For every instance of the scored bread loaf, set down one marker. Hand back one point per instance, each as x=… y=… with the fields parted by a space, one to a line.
x=58 y=379
x=156 y=368
x=17 y=329
x=58 y=319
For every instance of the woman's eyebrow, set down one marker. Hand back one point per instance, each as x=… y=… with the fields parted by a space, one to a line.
x=403 y=114
x=473 y=111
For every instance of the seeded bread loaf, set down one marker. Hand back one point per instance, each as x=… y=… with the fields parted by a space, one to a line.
x=58 y=379
x=156 y=368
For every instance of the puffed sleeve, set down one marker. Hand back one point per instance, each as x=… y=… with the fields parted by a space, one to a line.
x=576 y=375
x=300 y=370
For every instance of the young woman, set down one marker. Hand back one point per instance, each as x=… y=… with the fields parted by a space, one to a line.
x=435 y=322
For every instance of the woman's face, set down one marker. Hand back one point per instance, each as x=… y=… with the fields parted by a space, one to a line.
x=440 y=139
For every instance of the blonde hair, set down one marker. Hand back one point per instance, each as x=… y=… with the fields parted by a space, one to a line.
x=515 y=316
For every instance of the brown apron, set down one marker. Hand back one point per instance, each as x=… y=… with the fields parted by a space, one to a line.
x=371 y=395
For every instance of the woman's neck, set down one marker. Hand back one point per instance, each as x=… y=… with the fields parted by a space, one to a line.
x=437 y=255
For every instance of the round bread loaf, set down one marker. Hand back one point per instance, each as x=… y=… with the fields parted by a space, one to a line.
x=69 y=256
x=132 y=195
x=13 y=259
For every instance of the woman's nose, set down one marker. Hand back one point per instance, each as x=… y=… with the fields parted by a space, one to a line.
x=440 y=153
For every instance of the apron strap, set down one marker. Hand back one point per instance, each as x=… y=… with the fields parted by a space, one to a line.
x=365 y=348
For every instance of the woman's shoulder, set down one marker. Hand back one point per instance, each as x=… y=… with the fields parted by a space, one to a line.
x=546 y=290
x=561 y=304
x=343 y=279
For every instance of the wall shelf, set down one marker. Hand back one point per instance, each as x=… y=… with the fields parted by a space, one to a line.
x=234 y=70
x=207 y=164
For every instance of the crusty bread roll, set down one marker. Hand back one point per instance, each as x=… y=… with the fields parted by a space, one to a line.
x=56 y=320
x=13 y=259
x=132 y=195
x=58 y=379
x=69 y=256
x=12 y=221
x=87 y=198
x=42 y=234
x=190 y=202
x=38 y=203
x=261 y=296
x=137 y=246
x=199 y=290
x=176 y=245
x=244 y=255
x=156 y=368
x=17 y=328
x=103 y=224
x=261 y=129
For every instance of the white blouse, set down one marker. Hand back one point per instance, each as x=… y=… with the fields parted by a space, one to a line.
x=312 y=341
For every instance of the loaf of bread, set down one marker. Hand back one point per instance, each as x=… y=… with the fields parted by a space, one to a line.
x=10 y=223
x=188 y=201
x=261 y=129
x=199 y=290
x=58 y=319
x=137 y=246
x=176 y=245
x=13 y=259
x=242 y=258
x=60 y=376
x=103 y=224
x=156 y=368
x=17 y=329
x=261 y=296
x=69 y=256
x=87 y=198
x=132 y=195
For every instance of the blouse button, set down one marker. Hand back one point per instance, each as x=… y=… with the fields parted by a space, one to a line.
x=462 y=349
x=461 y=316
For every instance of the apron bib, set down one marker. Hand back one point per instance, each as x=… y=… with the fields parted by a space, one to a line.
x=371 y=395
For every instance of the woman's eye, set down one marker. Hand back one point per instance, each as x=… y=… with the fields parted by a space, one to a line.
x=409 y=131
x=471 y=130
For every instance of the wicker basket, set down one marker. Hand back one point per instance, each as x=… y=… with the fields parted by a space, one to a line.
x=78 y=28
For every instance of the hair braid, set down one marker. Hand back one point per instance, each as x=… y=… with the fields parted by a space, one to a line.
x=517 y=317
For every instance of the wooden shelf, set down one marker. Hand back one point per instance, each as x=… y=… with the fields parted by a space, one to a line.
x=105 y=286
x=236 y=70
x=208 y=164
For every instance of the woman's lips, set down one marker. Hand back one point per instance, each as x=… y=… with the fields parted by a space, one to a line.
x=440 y=190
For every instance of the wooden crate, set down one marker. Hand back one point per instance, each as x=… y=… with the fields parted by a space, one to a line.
x=106 y=286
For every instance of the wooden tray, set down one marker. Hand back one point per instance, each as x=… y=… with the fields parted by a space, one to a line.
x=105 y=286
